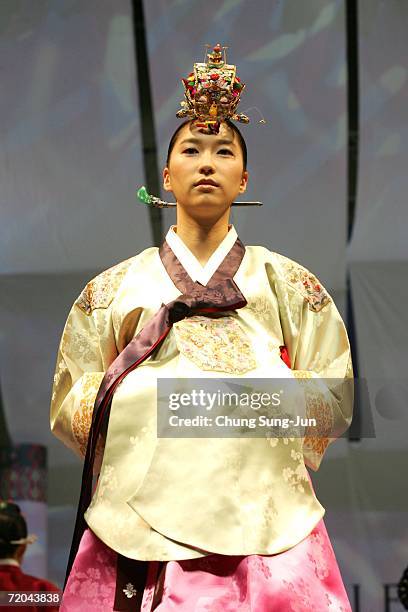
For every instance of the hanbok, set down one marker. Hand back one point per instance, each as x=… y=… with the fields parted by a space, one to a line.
x=214 y=524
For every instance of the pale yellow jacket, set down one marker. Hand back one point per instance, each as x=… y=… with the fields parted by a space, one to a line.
x=161 y=498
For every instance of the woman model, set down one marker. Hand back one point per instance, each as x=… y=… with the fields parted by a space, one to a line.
x=211 y=524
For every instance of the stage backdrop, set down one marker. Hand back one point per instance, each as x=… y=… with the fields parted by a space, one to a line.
x=71 y=159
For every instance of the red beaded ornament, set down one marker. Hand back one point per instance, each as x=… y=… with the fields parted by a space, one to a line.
x=212 y=92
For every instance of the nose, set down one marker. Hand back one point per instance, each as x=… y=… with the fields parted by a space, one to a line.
x=206 y=165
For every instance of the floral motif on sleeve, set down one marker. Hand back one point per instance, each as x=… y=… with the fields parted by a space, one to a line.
x=305 y=282
x=100 y=291
x=318 y=408
x=82 y=418
x=316 y=438
x=80 y=346
x=314 y=448
x=61 y=375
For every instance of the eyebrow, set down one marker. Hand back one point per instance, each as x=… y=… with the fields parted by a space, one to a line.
x=198 y=141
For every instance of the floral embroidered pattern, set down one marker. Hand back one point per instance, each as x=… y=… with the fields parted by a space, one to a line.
x=315 y=447
x=295 y=477
x=108 y=481
x=92 y=581
x=217 y=344
x=302 y=597
x=130 y=590
x=88 y=585
x=260 y=502
x=318 y=408
x=302 y=374
x=83 y=348
x=261 y=307
x=317 y=438
x=259 y=564
x=82 y=418
x=100 y=291
x=262 y=582
x=80 y=346
x=275 y=441
x=226 y=583
x=61 y=373
x=306 y=283
x=81 y=423
x=318 y=557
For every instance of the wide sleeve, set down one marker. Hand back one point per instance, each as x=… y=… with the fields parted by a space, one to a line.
x=319 y=350
x=322 y=363
x=86 y=350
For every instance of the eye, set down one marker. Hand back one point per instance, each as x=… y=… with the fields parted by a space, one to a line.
x=190 y=150
x=225 y=151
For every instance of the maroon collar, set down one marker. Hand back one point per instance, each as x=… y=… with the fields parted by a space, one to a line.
x=178 y=274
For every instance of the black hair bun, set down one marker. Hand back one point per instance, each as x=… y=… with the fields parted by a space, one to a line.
x=9 y=508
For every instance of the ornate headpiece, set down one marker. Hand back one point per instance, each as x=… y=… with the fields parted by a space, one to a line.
x=212 y=92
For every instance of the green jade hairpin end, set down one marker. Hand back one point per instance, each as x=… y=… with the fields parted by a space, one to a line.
x=145 y=198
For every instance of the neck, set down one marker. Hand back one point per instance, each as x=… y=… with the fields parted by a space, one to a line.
x=202 y=237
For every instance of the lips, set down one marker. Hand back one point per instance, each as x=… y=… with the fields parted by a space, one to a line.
x=206 y=182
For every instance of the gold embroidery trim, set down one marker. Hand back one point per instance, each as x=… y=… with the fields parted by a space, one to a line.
x=100 y=291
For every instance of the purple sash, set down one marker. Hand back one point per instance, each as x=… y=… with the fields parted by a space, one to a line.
x=220 y=294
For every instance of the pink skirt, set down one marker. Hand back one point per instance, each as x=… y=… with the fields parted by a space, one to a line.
x=306 y=577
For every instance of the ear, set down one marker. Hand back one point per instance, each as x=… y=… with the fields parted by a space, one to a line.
x=166 y=180
x=244 y=182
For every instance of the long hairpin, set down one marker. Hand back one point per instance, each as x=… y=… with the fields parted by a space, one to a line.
x=144 y=197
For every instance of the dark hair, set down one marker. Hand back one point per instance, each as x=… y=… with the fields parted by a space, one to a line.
x=12 y=527
x=231 y=125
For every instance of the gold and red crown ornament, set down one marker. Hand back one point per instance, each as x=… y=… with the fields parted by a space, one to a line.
x=212 y=92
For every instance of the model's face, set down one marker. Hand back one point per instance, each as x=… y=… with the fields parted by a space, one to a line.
x=205 y=171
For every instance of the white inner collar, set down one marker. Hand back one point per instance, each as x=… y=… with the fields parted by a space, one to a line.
x=9 y=561
x=190 y=263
